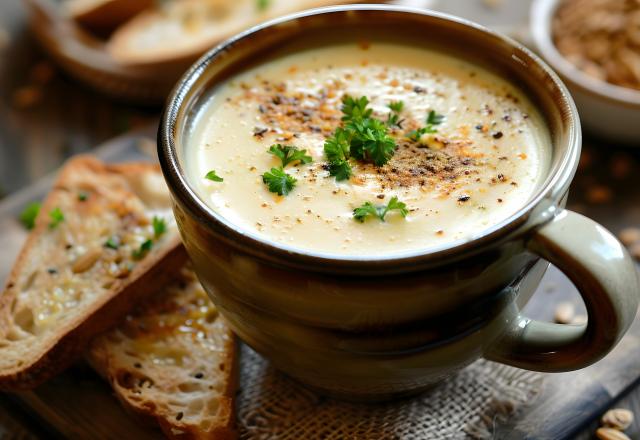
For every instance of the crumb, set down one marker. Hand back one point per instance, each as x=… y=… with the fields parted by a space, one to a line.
x=629 y=236
x=634 y=250
x=564 y=313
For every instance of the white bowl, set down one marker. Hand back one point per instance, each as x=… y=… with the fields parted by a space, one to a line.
x=605 y=109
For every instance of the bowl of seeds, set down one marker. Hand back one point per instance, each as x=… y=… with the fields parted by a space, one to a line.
x=595 y=47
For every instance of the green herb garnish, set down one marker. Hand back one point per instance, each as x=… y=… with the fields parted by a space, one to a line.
x=262 y=4
x=370 y=141
x=29 y=214
x=159 y=226
x=278 y=181
x=112 y=243
x=336 y=149
x=368 y=209
x=393 y=120
x=211 y=175
x=433 y=119
x=83 y=196
x=144 y=249
x=288 y=154
x=355 y=109
x=56 y=217
x=361 y=137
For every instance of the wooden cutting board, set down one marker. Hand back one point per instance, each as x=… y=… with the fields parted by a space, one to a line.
x=78 y=405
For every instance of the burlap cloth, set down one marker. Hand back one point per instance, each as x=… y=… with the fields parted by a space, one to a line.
x=468 y=405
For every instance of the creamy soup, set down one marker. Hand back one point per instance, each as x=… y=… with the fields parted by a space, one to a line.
x=470 y=149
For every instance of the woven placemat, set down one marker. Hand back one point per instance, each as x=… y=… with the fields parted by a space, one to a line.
x=468 y=405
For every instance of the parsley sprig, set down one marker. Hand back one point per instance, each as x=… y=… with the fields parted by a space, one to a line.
x=361 y=137
x=29 y=214
x=368 y=209
x=337 y=151
x=159 y=226
x=278 y=181
x=289 y=154
x=144 y=249
x=211 y=175
x=56 y=217
x=433 y=119
x=393 y=120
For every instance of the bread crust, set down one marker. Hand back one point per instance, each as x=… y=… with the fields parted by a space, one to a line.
x=114 y=356
x=69 y=342
x=121 y=45
x=103 y=16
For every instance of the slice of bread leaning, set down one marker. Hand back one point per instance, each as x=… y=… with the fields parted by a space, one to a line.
x=94 y=252
x=181 y=30
x=173 y=361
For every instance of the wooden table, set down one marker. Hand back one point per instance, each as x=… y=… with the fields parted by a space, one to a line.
x=46 y=117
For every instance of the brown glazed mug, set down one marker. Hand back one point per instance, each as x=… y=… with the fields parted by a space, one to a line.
x=375 y=327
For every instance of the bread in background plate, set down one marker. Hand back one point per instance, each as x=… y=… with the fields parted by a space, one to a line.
x=181 y=30
x=174 y=362
x=69 y=283
x=103 y=16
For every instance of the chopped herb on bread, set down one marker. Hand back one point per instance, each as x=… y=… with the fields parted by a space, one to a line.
x=173 y=361
x=78 y=275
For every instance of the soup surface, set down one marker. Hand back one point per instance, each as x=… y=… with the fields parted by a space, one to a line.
x=467 y=150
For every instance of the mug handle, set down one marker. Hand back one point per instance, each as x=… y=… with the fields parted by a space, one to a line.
x=606 y=277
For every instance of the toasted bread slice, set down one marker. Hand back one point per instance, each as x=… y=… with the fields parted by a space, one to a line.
x=181 y=30
x=173 y=361
x=103 y=16
x=93 y=253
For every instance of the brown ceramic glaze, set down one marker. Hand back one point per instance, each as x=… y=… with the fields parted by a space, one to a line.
x=371 y=328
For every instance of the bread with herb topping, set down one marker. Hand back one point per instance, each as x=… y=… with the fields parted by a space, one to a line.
x=173 y=361
x=181 y=30
x=94 y=252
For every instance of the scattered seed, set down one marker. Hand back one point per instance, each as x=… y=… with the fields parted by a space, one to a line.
x=617 y=418
x=634 y=250
x=564 y=313
x=629 y=236
x=180 y=415
x=611 y=434
x=86 y=260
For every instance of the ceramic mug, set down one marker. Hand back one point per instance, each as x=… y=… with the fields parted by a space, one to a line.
x=375 y=327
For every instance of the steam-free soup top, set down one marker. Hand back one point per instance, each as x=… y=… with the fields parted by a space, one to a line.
x=366 y=149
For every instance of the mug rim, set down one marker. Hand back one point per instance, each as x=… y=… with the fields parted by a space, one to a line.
x=553 y=188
